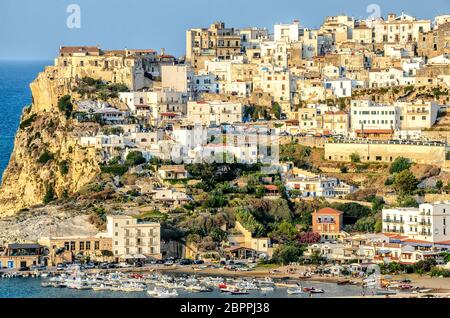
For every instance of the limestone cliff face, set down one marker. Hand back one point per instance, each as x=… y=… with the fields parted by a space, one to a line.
x=47 y=156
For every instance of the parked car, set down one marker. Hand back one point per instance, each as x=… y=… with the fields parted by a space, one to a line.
x=186 y=262
x=24 y=269
x=61 y=266
x=39 y=268
x=89 y=266
x=124 y=265
x=199 y=262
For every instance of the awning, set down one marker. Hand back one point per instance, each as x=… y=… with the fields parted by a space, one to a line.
x=128 y=257
x=140 y=256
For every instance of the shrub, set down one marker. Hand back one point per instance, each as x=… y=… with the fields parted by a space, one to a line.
x=65 y=105
x=135 y=158
x=117 y=170
x=400 y=164
x=49 y=195
x=64 y=167
x=27 y=122
x=354 y=157
x=45 y=157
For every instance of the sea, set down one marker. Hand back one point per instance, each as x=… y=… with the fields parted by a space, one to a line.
x=15 y=94
x=31 y=288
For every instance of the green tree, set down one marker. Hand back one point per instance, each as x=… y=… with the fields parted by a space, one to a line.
x=439 y=185
x=405 y=182
x=286 y=254
x=284 y=232
x=135 y=158
x=400 y=164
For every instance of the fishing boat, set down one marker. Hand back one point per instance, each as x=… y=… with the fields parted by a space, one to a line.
x=239 y=292
x=344 y=282
x=386 y=292
x=317 y=291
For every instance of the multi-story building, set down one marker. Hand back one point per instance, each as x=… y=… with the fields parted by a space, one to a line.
x=133 y=239
x=336 y=123
x=318 y=186
x=214 y=112
x=368 y=118
x=17 y=256
x=288 y=32
x=435 y=42
x=399 y=29
x=428 y=222
x=120 y=66
x=417 y=115
x=328 y=223
x=217 y=41
x=68 y=249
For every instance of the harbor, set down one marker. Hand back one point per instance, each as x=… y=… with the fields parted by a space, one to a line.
x=199 y=282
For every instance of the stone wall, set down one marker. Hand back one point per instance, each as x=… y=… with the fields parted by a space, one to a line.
x=386 y=152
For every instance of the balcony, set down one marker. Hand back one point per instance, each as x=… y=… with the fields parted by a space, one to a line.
x=425 y=223
x=393 y=221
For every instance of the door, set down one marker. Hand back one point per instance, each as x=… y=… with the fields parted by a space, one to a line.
x=10 y=264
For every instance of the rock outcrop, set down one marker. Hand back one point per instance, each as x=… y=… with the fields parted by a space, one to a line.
x=47 y=159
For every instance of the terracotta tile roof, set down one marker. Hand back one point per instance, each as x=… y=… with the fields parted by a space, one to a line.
x=329 y=211
x=271 y=187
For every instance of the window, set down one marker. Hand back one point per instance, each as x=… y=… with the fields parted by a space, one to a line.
x=81 y=246
x=96 y=245
x=88 y=245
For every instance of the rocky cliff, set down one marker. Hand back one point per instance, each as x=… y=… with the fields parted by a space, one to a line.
x=47 y=161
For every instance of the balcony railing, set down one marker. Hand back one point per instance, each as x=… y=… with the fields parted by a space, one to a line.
x=392 y=221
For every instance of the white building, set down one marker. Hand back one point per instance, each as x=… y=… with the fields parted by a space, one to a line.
x=190 y=136
x=287 y=32
x=340 y=87
x=318 y=187
x=214 y=112
x=367 y=116
x=426 y=223
x=133 y=239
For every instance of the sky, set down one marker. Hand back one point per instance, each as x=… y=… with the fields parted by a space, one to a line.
x=34 y=30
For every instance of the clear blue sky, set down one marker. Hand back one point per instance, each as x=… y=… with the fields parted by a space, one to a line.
x=31 y=29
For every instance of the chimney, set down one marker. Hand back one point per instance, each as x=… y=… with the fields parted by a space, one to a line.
x=163 y=51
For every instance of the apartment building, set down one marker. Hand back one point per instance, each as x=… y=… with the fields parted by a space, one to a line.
x=133 y=239
x=288 y=32
x=427 y=223
x=336 y=123
x=214 y=112
x=368 y=118
x=206 y=44
x=417 y=115
x=399 y=29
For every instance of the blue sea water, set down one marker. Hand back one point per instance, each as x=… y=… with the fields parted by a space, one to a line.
x=31 y=288
x=15 y=94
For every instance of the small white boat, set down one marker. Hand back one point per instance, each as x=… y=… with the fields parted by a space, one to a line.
x=267 y=289
x=101 y=288
x=166 y=294
x=295 y=291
